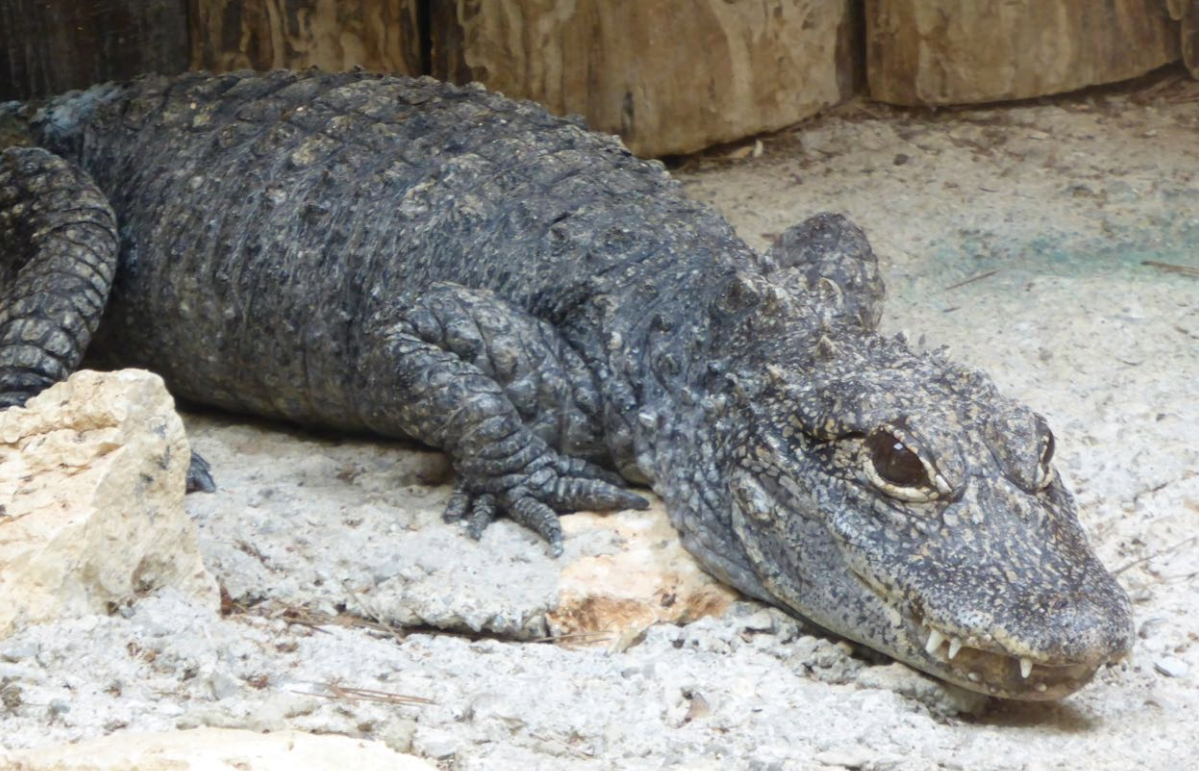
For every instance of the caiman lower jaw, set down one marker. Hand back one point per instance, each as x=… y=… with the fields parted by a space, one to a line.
x=978 y=663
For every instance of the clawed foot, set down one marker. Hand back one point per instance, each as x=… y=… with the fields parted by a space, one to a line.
x=199 y=476
x=535 y=497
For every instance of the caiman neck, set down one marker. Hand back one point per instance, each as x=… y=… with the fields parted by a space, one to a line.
x=690 y=368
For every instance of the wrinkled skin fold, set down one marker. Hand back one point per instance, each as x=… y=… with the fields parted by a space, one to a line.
x=408 y=258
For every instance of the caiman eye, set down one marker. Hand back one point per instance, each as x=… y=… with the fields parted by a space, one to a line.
x=898 y=470
x=895 y=463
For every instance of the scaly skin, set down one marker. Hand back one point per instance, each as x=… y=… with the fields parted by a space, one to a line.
x=60 y=252
x=410 y=258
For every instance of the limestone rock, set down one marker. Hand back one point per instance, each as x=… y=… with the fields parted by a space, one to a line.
x=612 y=598
x=215 y=749
x=354 y=524
x=92 y=476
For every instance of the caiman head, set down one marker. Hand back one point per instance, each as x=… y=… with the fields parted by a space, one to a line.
x=893 y=497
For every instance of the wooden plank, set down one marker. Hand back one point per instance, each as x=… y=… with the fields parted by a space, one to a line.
x=49 y=47
x=962 y=51
x=335 y=35
x=1189 y=15
x=669 y=76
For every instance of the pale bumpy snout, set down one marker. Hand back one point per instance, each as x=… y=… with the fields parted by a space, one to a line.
x=1009 y=599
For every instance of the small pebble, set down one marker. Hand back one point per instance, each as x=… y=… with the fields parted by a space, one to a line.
x=1171 y=667
x=852 y=757
x=762 y=621
x=1151 y=626
x=18 y=652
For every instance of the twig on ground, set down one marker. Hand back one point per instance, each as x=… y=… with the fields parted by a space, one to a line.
x=349 y=693
x=972 y=279
x=1158 y=553
x=1168 y=267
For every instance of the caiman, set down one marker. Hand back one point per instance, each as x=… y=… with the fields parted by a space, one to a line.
x=413 y=259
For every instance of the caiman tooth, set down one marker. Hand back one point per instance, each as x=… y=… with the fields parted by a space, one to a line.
x=1025 y=667
x=955 y=645
x=935 y=639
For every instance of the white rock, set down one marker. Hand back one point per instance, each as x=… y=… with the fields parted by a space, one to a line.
x=91 y=500
x=216 y=749
x=853 y=756
x=649 y=578
x=1171 y=667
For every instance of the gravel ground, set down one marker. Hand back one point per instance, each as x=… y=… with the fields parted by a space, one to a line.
x=1018 y=236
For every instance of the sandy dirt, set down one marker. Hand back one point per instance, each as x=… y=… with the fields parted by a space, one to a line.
x=1019 y=236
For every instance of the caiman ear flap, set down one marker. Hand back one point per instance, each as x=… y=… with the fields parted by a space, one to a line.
x=828 y=256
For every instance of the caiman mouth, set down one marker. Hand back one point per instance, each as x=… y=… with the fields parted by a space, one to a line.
x=980 y=663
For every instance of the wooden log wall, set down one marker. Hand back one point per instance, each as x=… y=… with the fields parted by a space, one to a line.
x=669 y=76
x=378 y=35
x=964 y=51
x=49 y=46
x=1186 y=12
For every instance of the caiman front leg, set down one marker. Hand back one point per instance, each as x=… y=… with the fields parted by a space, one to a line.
x=505 y=396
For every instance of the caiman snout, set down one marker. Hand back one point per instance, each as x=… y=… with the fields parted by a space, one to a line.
x=1086 y=626
x=1027 y=662
x=998 y=589
x=1034 y=619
